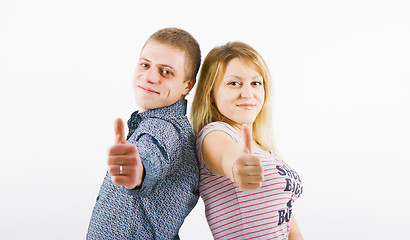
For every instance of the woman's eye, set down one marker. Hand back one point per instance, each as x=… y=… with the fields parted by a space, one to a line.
x=144 y=65
x=234 y=83
x=257 y=83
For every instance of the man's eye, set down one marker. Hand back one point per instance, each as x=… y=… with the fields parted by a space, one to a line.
x=166 y=73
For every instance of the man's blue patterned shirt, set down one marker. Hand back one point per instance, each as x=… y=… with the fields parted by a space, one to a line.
x=169 y=191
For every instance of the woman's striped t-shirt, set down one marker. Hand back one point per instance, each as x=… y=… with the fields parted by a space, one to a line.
x=260 y=214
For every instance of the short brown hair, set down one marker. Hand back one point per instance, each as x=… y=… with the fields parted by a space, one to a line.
x=184 y=41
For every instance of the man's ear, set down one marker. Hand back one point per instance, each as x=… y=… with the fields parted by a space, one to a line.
x=189 y=84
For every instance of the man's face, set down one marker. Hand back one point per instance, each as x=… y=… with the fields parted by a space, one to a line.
x=159 y=78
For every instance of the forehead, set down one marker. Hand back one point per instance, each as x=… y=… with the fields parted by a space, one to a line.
x=163 y=54
x=241 y=68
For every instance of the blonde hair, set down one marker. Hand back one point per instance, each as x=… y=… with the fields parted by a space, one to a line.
x=183 y=41
x=204 y=110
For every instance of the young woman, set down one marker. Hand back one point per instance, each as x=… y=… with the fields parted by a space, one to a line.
x=247 y=190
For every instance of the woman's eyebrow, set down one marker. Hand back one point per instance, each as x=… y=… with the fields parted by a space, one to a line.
x=232 y=76
x=239 y=77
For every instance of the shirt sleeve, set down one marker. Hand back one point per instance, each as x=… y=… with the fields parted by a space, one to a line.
x=157 y=162
x=214 y=126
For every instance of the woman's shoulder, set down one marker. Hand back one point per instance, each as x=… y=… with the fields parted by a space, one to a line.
x=219 y=126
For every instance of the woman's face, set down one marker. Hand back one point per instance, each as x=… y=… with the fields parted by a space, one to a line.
x=240 y=94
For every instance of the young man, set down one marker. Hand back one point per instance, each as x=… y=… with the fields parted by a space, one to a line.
x=152 y=179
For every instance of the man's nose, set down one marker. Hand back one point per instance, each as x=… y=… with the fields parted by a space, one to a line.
x=152 y=75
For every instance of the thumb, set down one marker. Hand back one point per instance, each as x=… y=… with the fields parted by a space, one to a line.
x=247 y=138
x=119 y=131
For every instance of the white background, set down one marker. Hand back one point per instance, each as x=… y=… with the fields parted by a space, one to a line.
x=341 y=73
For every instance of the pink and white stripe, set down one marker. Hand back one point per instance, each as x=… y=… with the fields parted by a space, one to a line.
x=233 y=214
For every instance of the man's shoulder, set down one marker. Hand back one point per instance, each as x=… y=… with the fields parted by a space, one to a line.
x=158 y=124
x=166 y=128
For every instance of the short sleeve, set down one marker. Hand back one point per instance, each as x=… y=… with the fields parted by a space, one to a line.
x=214 y=126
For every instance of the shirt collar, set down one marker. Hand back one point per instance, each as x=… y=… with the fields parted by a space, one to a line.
x=178 y=108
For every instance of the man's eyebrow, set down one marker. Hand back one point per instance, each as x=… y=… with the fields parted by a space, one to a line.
x=145 y=59
x=161 y=65
x=167 y=66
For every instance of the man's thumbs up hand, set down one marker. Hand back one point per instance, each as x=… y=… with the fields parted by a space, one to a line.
x=119 y=131
x=124 y=161
x=247 y=169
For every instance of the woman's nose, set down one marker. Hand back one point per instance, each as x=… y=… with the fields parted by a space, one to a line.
x=246 y=91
